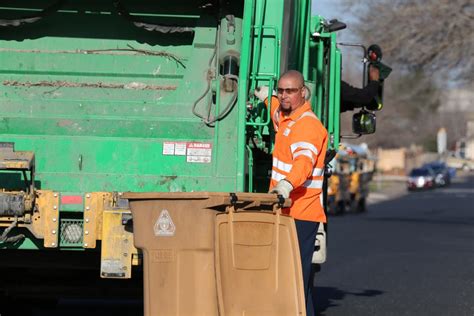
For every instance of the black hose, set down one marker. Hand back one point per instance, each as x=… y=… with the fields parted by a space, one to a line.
x=32 y=18
x=209 y=77
x=226 y=110
x=12 y=239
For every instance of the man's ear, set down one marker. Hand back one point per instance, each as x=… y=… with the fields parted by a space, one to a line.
x=306 y=93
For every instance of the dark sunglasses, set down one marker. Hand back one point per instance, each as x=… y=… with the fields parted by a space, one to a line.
x=288 y=90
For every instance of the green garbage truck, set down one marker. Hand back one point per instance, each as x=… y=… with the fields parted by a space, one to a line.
x=103 y=97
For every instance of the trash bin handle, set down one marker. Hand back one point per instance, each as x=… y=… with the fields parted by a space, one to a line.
x=276 y=204
x=268 y=199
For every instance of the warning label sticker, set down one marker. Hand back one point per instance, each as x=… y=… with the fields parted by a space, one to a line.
x=195 y=152
x=199 y=152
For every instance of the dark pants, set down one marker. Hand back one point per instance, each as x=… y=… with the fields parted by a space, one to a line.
x=306 y=237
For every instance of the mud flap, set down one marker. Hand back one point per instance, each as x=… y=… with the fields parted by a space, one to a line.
x=117 y=249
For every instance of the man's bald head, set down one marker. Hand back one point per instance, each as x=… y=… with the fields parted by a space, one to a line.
x=291 y=91
x=294 y=75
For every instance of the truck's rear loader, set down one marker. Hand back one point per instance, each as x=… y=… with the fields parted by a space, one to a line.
x=103 y=97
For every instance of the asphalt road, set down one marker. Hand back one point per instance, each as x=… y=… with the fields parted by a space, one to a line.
x=410 y=255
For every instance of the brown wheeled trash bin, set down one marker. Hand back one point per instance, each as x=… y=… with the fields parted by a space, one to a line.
x=183 y=274
x=258 y=263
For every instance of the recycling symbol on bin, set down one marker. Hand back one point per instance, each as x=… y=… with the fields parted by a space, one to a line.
x=164 y=226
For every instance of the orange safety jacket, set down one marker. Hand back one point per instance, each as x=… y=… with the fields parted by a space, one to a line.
x=298 y=157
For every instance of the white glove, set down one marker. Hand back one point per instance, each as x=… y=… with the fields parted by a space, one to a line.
x=283 y=188
x=262 y=93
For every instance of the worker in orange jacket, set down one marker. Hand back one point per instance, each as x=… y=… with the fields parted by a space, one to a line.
x=298 y=164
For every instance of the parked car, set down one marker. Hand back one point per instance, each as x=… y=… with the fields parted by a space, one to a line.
x=421 y=179
x=443 y=174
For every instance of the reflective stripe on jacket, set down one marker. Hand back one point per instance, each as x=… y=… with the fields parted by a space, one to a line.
x=298 y=157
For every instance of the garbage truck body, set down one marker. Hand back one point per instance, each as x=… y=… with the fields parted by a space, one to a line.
x=98 y=98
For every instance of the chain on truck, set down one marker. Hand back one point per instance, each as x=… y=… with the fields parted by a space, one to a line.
x=105 y=97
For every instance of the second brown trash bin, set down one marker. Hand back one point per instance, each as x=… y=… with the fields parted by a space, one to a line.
x=258 y=264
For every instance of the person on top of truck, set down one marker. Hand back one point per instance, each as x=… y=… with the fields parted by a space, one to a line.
x=352 y=97
x=298 y=164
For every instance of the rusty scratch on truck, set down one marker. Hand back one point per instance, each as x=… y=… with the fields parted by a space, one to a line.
x=68 y=84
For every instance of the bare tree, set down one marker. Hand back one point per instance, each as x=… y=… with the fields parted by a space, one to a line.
x=435 y=36
x=430 y=46
x=410 y=114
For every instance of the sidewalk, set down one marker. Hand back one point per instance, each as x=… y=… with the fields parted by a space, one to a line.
x=389 y=178
x=384 y=188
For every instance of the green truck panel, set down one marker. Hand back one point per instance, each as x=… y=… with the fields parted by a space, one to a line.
x=153 y=95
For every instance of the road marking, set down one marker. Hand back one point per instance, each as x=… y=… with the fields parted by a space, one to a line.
x=455 y=190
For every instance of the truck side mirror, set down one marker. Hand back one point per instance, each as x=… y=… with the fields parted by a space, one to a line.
x=363 y=123
x=335 y=25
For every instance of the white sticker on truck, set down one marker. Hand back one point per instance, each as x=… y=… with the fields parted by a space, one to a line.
x=195 y=152
x=168 y=148
x=199 y=152
x=174 y=148
x=180 y=149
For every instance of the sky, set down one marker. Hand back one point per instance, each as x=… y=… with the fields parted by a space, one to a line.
x=325 y=8
x=331 y=9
